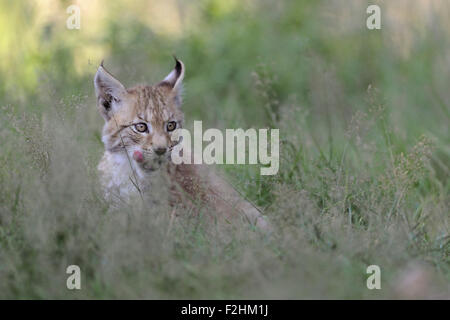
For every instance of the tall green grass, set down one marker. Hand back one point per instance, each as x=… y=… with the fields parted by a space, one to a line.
x=363 y=118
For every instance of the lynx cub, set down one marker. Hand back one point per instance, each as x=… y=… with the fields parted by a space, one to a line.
x=139 y=123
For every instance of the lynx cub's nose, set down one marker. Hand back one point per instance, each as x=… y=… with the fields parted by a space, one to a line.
x=160 y=151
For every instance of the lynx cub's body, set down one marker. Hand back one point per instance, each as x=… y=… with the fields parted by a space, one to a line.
x=139 y=123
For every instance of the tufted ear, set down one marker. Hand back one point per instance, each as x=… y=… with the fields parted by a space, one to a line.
x=109 y=92
x=174 y=80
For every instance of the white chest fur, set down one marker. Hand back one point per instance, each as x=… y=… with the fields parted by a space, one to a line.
x=120 y=177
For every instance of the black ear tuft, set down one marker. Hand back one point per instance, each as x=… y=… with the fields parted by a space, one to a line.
x=178 y=67
x=175 y=78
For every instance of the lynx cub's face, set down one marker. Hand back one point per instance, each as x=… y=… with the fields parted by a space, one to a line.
x=140 y=121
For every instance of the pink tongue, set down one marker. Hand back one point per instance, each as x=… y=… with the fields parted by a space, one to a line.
x=137 y=155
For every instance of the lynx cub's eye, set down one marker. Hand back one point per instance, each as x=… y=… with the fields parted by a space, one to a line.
x=140 y=127
x=170 y=126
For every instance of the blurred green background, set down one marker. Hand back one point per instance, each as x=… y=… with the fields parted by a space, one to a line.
x=319 y=54
x=363 y=114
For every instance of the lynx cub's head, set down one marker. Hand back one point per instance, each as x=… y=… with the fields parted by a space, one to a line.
x=140 y=120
